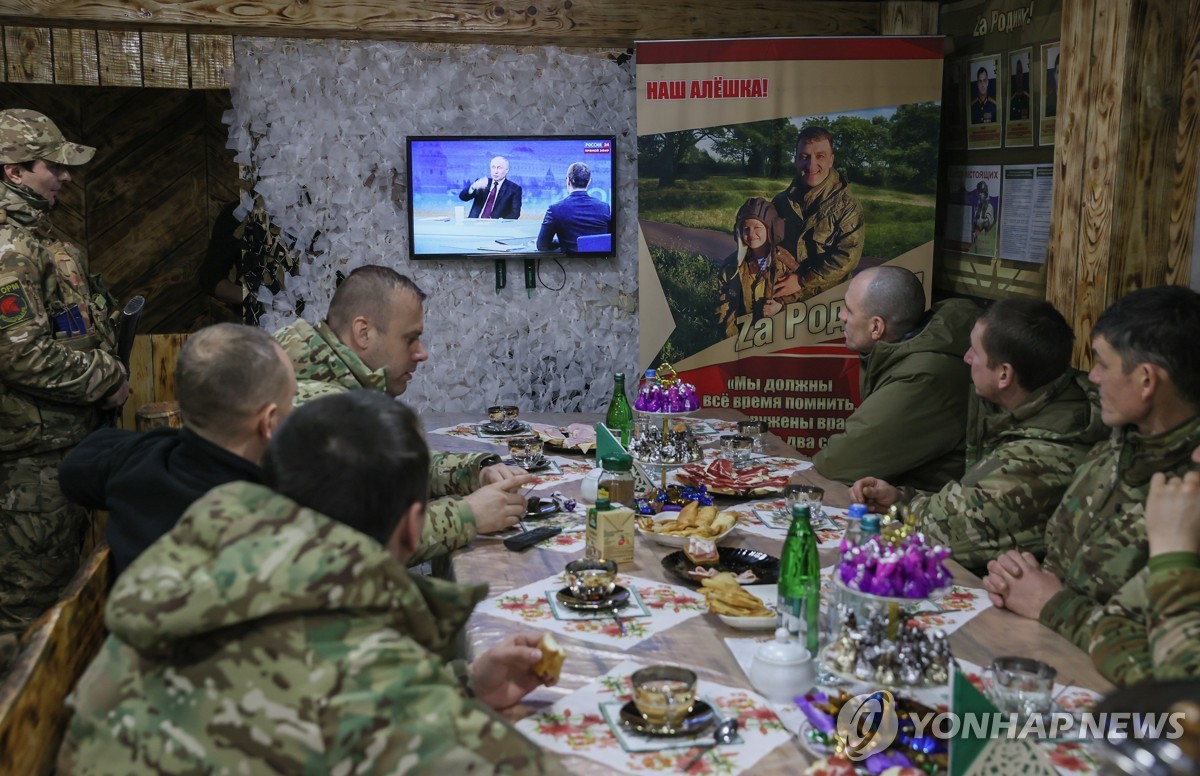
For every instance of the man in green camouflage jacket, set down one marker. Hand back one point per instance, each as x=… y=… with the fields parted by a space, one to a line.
x=276 y=630
x=58 y=371
x=1147 y=369
x=371 y=338
x=909 y=427
x=1151 y=627
x=1030 y=423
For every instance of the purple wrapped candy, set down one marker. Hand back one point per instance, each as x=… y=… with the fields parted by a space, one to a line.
x=687 y=395
x=817 y=718
x=649 y=398
x=909 y=569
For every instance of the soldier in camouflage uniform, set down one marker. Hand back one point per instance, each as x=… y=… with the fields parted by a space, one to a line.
x=1147 y=368
x=1030 y=423
x=371 y=339
x=58 y=371
x=275 y=630
x=1151 y=627
x=823 y=221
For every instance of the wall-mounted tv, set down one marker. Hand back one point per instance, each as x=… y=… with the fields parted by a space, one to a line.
x=487 y=197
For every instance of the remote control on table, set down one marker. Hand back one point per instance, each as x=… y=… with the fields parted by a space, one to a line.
x=524 y=541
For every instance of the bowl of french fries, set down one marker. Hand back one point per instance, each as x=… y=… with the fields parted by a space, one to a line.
x=673 y=529
x=742 y=607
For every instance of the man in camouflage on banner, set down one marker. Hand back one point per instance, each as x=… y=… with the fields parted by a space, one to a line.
x=1151 y=627
x=58 y=370
x=275 y=628
x=822 y=219
x=371 y=338
x=1030 y=424
x=1147 y=367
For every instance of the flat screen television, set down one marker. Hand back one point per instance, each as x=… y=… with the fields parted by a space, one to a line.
x=456 y=211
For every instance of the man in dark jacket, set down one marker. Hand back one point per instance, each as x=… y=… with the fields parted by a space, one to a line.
x=495 y=196
x=910 y=425
x=235 y=385
x=577 y=215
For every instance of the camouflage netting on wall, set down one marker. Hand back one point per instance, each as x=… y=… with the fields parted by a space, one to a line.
x=322 y=127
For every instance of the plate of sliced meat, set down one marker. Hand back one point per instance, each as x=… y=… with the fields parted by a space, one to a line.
x=578 y=437
x=720 y=477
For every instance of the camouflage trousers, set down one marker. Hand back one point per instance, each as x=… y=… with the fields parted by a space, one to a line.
x=41 y=533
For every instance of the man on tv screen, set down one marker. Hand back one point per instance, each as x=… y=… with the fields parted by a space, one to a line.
x=576 y=215
x=495 y=196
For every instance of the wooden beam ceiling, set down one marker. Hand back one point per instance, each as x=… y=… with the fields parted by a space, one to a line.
x=574 y=23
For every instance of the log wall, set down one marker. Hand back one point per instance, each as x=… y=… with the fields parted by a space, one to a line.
x=1125 y=154
x=143 y=207
x=579 y=23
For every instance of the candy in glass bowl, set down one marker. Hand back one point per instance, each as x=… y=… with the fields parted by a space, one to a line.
x=662 y=391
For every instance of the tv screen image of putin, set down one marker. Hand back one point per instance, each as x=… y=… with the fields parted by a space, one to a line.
x=493 y=196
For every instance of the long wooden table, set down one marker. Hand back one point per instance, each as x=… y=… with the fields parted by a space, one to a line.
x=698 y=642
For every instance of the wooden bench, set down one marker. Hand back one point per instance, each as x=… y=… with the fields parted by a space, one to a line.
x=54 y=654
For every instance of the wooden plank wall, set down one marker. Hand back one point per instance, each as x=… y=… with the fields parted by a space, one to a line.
x=57 y=650
x=582 y=23
x=151 y=372
x=52 y=55
x=143 y=207
x=1125 y=154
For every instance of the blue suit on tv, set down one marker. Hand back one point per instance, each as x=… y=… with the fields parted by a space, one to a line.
x=574 y=216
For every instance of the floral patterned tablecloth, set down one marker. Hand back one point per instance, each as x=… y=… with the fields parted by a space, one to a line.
x=765 y=517
x=577 y=725
x=667 y=606
x=1068 y=757
x=949 y=613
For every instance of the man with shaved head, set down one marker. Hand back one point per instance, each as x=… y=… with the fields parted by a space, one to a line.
x=235 y=385
x=371 y=338
x=912 y=416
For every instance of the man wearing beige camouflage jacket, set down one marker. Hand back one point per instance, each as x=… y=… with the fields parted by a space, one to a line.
x=58 y=370
x=371 y=338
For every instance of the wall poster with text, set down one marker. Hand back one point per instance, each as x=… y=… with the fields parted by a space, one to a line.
x=770 y=171
x=986 y=96
x=1018 y=127
x=973 y=209
x=1049 y=114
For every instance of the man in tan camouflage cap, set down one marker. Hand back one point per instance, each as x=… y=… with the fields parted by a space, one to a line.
x=58 y=371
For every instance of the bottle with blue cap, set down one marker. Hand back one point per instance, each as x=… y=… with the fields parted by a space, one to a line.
x=854 y=516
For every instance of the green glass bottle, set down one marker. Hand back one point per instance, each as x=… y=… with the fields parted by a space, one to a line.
x=799 y=595
x=620 y=415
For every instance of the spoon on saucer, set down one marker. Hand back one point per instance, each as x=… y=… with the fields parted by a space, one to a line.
x=725 y=733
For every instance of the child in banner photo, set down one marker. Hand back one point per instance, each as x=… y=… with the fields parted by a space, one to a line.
x=747 y=277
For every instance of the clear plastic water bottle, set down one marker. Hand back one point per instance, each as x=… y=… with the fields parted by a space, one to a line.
x=854 y=516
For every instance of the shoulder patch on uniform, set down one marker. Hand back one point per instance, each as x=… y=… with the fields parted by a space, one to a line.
x=14 y=303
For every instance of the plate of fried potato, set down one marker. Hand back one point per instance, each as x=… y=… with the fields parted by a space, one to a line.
x=739 y=606
x=673 y=529
x=749 y=567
